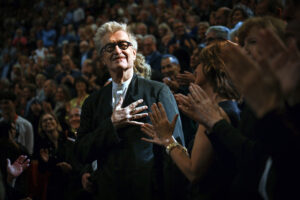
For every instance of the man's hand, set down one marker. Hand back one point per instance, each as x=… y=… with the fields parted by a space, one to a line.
x=65 y=167
x=86 y=184
x=127 y=116
x=162 y=130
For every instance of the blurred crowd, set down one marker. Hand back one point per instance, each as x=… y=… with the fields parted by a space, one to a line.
x=232 y=65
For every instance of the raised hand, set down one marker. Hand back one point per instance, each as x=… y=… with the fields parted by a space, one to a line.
x=126 y=116
x=258 y=85
x=162 y=130
x=17 y=168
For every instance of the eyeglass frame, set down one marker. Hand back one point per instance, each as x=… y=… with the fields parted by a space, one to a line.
x=113 y=45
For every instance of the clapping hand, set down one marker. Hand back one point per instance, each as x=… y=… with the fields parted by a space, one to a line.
x=199 y=107
x=127 y=116
x=162 y=130
x=186 y=78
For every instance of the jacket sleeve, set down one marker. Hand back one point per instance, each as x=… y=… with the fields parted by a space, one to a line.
x=94 y=142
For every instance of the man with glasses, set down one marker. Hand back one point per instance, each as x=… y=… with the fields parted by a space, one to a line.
x=128 y=167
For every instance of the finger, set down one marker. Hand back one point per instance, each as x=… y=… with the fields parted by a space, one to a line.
x=174 y=121
x=139 y=109
x=134 y=104
x=162 y=110
x=139 y=116
x=147 y=140
x=119 y=104
x=155 y=112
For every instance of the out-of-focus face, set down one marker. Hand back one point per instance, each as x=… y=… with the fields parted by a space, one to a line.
x=169 y=69
x=59 y=95
x=80 y=86
x=200 y=78
x=220 y=19
x=237 y=17
x=250 y=43
x=48 y=123
x=179 y=29
x=148 y=46
x=118 y=59
x=74 y=118
x=195 y=58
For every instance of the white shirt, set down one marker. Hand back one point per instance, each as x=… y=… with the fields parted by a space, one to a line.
x=118 y=91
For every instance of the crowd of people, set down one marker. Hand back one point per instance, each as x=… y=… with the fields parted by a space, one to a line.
x=162 y=99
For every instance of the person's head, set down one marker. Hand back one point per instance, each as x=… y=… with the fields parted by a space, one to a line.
x=269 y=8
x=66 y=63
x=240 y=13
x=49 y=125
x=83 y=46
x=249 y=32
x=87 y=68
x=212 y=71
x=216 y=33
x=202 y=28
x=74 y=117
x=7 y=103
x=62 y=93
x=222 y=15
x=29 y=91
x=50 y=88
x=149 y=44
x=81 y=85
x=36 y=107
x=40 y=80
x=170 y=66
x=178 y=28
x=117 y=46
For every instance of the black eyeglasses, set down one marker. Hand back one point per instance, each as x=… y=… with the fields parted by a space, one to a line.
x=110 y=47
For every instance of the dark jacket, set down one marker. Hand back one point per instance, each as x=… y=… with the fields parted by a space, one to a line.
x=127 y=165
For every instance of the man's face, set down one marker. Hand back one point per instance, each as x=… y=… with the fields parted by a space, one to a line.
x=74 y=118
x=7 y=106
x=148 y=46
x=118 y=59
x=169 y=69
x=220 y=18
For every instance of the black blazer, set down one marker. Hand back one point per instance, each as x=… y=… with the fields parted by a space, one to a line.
x=123 y=158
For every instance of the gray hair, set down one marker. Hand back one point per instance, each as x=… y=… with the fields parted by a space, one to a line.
x=221 y=32
x=112 y=27
x=150 y=36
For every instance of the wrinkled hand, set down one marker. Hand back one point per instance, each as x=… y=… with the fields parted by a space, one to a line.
x=126 y=116
x=44 y=153
x=17 y=168
x=86 y=184
x=186 y=78
x=199 y=107
x=65 y=167
x=162 y=130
